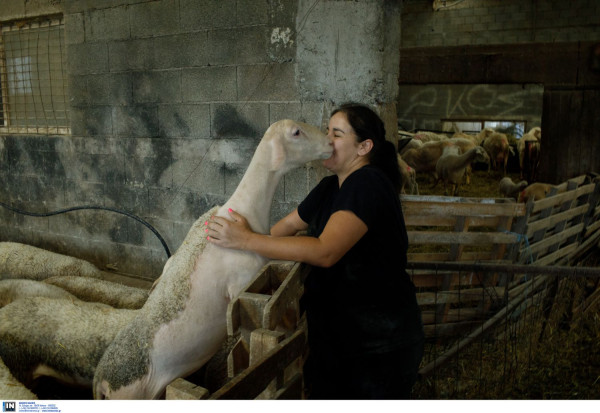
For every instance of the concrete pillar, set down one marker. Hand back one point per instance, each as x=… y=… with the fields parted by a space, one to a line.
x=349 y=51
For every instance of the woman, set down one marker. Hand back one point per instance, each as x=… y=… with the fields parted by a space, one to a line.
x=364 y=325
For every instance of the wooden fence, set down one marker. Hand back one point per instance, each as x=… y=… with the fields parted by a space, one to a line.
x=467 y=257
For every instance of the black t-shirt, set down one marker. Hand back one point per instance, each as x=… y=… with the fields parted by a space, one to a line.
x=366 y=301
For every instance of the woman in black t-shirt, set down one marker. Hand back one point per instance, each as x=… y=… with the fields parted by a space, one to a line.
x=364 y=325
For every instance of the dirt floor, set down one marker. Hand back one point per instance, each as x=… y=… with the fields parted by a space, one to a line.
x=483 y=184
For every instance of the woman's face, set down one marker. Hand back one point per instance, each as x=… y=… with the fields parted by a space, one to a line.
x=346 y=148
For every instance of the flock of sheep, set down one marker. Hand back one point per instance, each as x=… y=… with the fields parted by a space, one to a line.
x=449 y=159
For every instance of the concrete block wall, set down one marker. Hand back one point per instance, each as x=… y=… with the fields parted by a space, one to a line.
x=471 y=22
x=169 y=99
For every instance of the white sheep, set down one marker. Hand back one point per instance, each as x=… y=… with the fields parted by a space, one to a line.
x=426 y=136
x=425 y=157
x=497 y=146
x=11 y=388
x=528 y=148
x=60 y=338
x=14 y=289
x=27 y=262
x=452 y=165
x=183 y=322
x=101 y=291
x=509 y=189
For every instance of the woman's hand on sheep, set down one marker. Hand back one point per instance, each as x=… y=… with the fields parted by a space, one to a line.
x=229 y=233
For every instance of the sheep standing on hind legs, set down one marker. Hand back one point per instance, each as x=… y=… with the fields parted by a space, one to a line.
x=183 y=322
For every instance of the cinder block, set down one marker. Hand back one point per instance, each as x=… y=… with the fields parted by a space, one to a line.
x=184 y=50
x=109 y=89
x=253 y=12
x=209 y=84
x=157 y=86
x=90 y=121
x=136 y=121
x=207 y=15
x=184 y=120
x=131 y=55
x=240 y=120
x=251 y=44
x=223 y=47
x=87 y=58
x=296 y=185
x=154 y=18
x=107 y=24
x=271 y=82
x=74 y=28
x=78 y=91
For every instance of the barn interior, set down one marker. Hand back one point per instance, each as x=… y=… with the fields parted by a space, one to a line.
x=123 y=121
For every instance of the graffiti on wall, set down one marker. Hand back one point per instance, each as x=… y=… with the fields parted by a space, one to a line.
x=423 y=107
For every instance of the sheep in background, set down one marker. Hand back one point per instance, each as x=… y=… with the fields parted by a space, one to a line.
x=509 y=189
x=452 y=165
x=27 y=262
x=465 y=145
x=409 y=177
x=60 y=338
x=535 y=191
x=183 y=322
x=411 y=144
x=11 y=388
x=426 y=136
x=528 y=148
x=424 y=158
x=102 y=291
x=498 y=149
x=14 y=289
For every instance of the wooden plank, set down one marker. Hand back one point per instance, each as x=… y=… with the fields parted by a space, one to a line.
x=448 y=221
x=554 y=257
x=562 y=197
x=453 y=316
x=251 y=312
x=284 y=304
x=460 y=296
x=469 y=238
x=548 y=241
x=561 y=63
x=262 y=341
x=462 y=209
x=181 y=389
x=252 y=381
x=551 y=221
x=238 y=358
x=445 y=256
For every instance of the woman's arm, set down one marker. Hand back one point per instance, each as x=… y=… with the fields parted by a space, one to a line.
x=341 y=232
x=289 y=225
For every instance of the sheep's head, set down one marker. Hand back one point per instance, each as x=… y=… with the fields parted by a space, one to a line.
x=295 y=143
x=481 y=155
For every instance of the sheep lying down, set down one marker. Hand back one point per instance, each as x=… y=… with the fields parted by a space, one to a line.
x=101 y=291
x=60 y=338
x=11 y=388
x=27 y=262
x=12 y=290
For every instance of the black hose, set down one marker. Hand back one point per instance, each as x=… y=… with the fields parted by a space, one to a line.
x=118 y=211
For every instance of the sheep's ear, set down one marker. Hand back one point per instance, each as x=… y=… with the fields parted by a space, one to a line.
x=277 y=154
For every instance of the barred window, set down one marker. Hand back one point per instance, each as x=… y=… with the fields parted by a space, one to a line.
x=33 y=80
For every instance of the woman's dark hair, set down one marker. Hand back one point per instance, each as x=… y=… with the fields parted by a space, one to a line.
x=368 y=125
